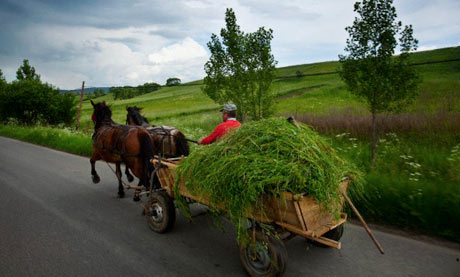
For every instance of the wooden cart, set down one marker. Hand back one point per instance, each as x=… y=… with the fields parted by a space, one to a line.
x=289 y=215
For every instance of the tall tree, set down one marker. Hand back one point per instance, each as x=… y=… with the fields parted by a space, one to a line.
x=26 y=72
x=370 y=70
x=241 y=69
x=2 y=78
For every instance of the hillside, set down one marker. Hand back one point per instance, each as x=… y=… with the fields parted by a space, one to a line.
x=308 y=94
x=91 y=90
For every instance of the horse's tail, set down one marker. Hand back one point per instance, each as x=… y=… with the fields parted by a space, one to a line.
x=182 y=147
x=147 y=153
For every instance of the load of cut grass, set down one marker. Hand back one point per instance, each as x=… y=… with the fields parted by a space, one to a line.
x=264 y=158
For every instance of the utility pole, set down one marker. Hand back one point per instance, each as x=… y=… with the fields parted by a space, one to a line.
x=79 y=107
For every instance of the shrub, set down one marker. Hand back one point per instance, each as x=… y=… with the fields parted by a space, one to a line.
x=30 y=101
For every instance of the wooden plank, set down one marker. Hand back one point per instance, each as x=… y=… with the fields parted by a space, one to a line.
x=368 y=230
x=310 y=235
x=163 y=162
x=329 y=242
x=300 y=216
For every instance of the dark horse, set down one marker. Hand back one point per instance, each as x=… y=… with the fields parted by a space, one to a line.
x=169 y=140
x=118 y=144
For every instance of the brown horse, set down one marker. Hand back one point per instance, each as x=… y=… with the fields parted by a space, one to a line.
x=118 y=144
x=169 y=140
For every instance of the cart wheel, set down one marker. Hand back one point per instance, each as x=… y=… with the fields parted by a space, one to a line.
x=266 y=257
x=161 y=213
x=334 y=234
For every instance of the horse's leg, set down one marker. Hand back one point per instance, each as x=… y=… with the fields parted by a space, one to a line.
x=121 y=191
x=94 y=175
x=128 y=175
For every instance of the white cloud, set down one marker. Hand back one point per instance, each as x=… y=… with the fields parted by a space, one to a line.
x=102 y=57
x=188 y=49
x=133 y=47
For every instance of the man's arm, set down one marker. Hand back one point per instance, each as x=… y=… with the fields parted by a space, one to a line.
x=213 y=136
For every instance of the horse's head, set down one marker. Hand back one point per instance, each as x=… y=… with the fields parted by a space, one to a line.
x=134 y=116
x=101 y=113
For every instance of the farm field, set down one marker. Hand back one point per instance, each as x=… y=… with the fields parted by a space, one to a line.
x=416 y=182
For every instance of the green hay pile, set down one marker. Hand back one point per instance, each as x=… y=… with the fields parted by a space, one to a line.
x=264 y=158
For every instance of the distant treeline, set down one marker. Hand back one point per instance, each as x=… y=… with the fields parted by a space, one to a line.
x=127 y=92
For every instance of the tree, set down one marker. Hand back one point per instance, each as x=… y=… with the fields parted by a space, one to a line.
x=173 y=82
x=26 y=72
x=2 y=78
x=369 y=70
x=99 y=92
x=147 y=87
x=31 y=101
x=241 y=69
x=28 y=100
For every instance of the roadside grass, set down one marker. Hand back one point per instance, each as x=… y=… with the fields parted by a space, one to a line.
x=413 y=186
x=57 y=138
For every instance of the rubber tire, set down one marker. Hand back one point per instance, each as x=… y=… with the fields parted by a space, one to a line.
x=164 y=223
x=276 y=251
x=334 y=234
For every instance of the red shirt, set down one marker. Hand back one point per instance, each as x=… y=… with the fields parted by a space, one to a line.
x=220 y=130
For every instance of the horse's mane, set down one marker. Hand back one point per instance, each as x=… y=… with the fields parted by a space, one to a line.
x=134 y=112
x=103 y=111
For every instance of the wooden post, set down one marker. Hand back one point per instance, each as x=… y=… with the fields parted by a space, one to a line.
x=368 y=230
x=77 y=124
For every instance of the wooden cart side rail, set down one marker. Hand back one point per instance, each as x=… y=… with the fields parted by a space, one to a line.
x=310 y=235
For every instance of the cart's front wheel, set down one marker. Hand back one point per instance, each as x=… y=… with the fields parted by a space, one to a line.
x=266 y=256
x=160 y=212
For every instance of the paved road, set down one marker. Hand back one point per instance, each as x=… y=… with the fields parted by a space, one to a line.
x=56 y=222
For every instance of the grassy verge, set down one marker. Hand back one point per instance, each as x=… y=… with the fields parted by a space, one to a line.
x=60 y=139
x=414 y=185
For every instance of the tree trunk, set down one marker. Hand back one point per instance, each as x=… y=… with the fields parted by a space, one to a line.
x=374 y=140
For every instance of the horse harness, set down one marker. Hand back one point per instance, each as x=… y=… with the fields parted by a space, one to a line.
x=163 y=131
x=113 y=149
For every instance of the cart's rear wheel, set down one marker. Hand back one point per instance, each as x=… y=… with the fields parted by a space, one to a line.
x=334 y=234
x=160 y=213
x=267 y=256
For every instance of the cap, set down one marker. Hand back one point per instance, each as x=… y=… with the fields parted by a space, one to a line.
x=229 y=108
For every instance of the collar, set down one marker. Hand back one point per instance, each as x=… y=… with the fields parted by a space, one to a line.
x=231 y=118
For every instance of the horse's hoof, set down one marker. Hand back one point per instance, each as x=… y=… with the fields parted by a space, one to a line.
x=130 y=178
x=96 y=179
x=121 y=194
x=136 y=198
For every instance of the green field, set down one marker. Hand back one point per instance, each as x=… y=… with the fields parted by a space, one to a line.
x=416 y=182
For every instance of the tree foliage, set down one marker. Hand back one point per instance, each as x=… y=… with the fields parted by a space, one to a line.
x=369 y=69
x=31 y=101
x=26 y=72
x=127 y=92
x=2 y=78
x=28 y=100
x=241 y=69
x=173 y=82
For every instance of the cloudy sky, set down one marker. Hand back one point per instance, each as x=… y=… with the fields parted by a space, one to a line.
x=116 y=42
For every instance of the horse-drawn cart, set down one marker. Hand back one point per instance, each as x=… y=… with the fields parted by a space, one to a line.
x=289 y=215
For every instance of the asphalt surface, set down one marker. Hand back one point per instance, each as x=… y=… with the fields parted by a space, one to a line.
x=55 y=222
